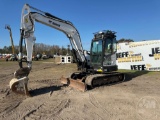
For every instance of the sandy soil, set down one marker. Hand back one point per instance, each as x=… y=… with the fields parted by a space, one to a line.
x=138 y=98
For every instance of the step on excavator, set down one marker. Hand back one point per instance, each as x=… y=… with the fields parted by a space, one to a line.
x=100 y=70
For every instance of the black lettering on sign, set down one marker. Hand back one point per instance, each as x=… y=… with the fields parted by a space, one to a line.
x=138 y=67
x=122 y=54
x=157 y=50
x=154 y=51
x=53 y=23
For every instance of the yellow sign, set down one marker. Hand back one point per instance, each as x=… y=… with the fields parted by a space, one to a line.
x=131 y=58
x=157 y=56
x=148 y=66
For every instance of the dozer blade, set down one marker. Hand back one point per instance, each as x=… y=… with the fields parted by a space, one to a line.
x=19 y=86
x=77 y=84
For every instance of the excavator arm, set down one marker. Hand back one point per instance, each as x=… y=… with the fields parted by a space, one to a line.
x=29 y=16
x=27 y=31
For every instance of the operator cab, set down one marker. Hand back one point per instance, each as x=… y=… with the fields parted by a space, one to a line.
x=103 y=52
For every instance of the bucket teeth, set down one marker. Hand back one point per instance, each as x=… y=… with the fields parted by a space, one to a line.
x=77 y=84
x=19 y=86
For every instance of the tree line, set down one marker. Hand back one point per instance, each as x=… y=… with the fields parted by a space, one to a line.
x=122 y=40
x=39 y=48
x=49 y=49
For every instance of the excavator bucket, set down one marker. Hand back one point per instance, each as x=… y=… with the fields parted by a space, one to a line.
x=77 y=84
x=19 y=83
x=19 y=86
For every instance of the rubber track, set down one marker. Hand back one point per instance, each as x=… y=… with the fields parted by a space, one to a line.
x=101 y=77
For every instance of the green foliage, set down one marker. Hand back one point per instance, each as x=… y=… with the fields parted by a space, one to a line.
x=124 y=40
x=39 y=48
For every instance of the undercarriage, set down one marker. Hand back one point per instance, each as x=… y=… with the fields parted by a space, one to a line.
x=81 y=81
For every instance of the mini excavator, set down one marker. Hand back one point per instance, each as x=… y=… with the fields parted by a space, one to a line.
x=101 y=70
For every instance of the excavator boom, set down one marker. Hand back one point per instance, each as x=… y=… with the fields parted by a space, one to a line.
x=28 y=19
x=102 y=53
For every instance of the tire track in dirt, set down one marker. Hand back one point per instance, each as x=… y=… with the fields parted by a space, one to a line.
x=38 y=107
x=73 y=112
x=4 y=78
x=39 y=87
x=48 y=81
x=4 y=75
x=43 y=66
x=9 y=103
x=10 y=108
x=100 y=110
x=47 y=111
x=4 y=85
x=84 y=107
x=5 y=91
x=31 y=112
x=18 y=107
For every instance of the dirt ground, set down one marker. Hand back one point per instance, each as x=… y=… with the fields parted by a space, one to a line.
x=138 y=98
